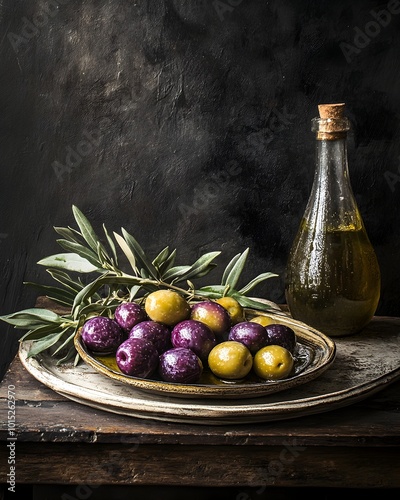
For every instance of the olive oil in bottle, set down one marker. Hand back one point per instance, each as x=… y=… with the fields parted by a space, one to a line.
x=332 y=280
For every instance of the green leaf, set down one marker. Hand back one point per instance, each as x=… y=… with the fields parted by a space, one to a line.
x=97 y=308
x=133 y=292
x=236 y=270
x=59 y=295
x=176 y=271
x=257 y=304
x=228 y=268
x=34 y=314
x=64 y=344
x=160 y=259
x=201 y=266
x=205 y=271
x=255 y=281
x=111 y=245
x=70 y=262
x=76 y=359
x=212 y=291
x=87 y=292
x=139 y=253
x=81 y=250
x=103 y=256
x=168 y=263
x=86 y=228
x=127 y=251
x=65 y=280
x=55 y=291
x=39 y=332
x=69 y=234
x=39 y=346
x=144 y=274
x=77 y=234
x=68 y=357
x=212 y=288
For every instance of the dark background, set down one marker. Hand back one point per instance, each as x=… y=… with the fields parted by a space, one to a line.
x=174 y=94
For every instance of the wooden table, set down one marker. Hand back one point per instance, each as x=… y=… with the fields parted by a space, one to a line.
x=62 y=442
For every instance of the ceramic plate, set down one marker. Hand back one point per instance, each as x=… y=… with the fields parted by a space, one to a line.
x=364 y=365
x=314 y=354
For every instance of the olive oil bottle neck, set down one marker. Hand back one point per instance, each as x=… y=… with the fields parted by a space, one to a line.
x=332 y=204
x=331 y=165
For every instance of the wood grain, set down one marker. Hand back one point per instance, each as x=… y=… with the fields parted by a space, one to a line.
x=202 y=465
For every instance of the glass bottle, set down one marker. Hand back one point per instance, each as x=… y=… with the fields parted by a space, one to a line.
x=332 y=280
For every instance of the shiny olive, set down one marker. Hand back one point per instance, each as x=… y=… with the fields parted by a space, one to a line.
x=167 y=307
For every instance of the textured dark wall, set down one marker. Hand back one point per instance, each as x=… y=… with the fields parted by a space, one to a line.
x=199 y=116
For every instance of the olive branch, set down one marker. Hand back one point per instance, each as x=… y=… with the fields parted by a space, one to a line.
x=85 y=254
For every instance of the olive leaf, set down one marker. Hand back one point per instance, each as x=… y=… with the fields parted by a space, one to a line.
x=71 y=354
x=69 y=234
x=111 y=245
x=62 y=296
x=65 y=280
x=255 y=281
x=86 y=228
x=201 y=266
x=80 y=250
x=235 y=269
x=229 y=280
x=137 y=250
x=211 y=292
x=67 y=341
x=254 y=303
x=168 y=263
x=127 y=251
x=41 y=345
x=31 y=316
x=229 y=268
x=160 y=258
x=39 y=332
x=176 y=272
x=70 y=262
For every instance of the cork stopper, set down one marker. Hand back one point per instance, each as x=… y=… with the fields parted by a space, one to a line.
x=331 y=110
x=332 y=123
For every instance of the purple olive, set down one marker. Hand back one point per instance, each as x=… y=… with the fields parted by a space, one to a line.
x=156 y=333
x=194 y=335
x=129 y=314
x=137 y=357
x=181 y=365
x=213 y=315
x=252 y=335
x=281 y=335
x=102 y=335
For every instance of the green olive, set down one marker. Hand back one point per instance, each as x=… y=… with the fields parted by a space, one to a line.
x=167 y=306
x=263 y=320
x=273 y=362
x=230 y=360
x=235 y=310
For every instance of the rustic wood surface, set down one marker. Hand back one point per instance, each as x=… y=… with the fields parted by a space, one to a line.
x=63 y=442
